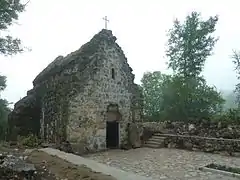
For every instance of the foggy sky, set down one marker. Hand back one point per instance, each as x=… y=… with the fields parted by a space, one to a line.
x=57 y=27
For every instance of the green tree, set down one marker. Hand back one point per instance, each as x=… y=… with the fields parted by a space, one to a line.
x=236 y=61
x=9 y=12
x=190 y=43
x=2 y=83
x=201 y=101
x=152 y=86
x=4 y=110
x=187 y=96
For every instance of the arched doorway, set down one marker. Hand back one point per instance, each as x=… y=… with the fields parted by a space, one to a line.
x=112 y=126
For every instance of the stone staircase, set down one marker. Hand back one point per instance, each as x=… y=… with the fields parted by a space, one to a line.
x=156 y=141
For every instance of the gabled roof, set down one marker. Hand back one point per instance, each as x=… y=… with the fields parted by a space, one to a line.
x=81 y=55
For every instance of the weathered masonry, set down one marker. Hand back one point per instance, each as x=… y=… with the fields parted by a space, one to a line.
x=87 y=98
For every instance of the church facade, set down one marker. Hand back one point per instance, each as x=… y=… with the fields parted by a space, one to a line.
x=88 y=97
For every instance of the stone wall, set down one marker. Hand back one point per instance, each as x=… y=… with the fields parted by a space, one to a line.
x=203 y=129
x=21 y=121
x=205 y=144
x=111 y=84
x=74 y=92
x=61 y=81
x=205 y=136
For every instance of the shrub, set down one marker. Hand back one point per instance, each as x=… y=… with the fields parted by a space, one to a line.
x=231 y=116
x=29 y=141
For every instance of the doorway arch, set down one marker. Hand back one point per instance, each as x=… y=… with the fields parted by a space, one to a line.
x=113 y=118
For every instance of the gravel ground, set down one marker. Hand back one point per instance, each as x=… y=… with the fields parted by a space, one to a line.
x=165 y=163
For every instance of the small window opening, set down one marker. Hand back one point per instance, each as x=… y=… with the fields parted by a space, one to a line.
x=113 y=73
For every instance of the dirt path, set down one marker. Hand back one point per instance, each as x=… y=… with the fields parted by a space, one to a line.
x=63 y=169
x=47 y=167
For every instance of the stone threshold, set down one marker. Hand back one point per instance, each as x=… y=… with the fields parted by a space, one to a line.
x=197 y=137
x=95 y=166
x=216 y=171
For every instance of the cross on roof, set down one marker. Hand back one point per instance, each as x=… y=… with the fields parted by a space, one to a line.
x=106 y=21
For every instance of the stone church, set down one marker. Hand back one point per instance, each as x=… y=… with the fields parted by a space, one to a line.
x=88 y=98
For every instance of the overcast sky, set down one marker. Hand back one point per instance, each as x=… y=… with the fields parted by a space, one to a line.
x=58 y=27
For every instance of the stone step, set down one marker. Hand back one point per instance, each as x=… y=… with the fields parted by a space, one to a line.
x=158 y=137
x=152 y=146
x=155 y=142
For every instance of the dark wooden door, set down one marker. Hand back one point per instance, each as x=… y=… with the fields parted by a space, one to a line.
x=112 y=134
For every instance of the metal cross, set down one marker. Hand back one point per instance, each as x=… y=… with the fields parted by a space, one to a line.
x=106 y=21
